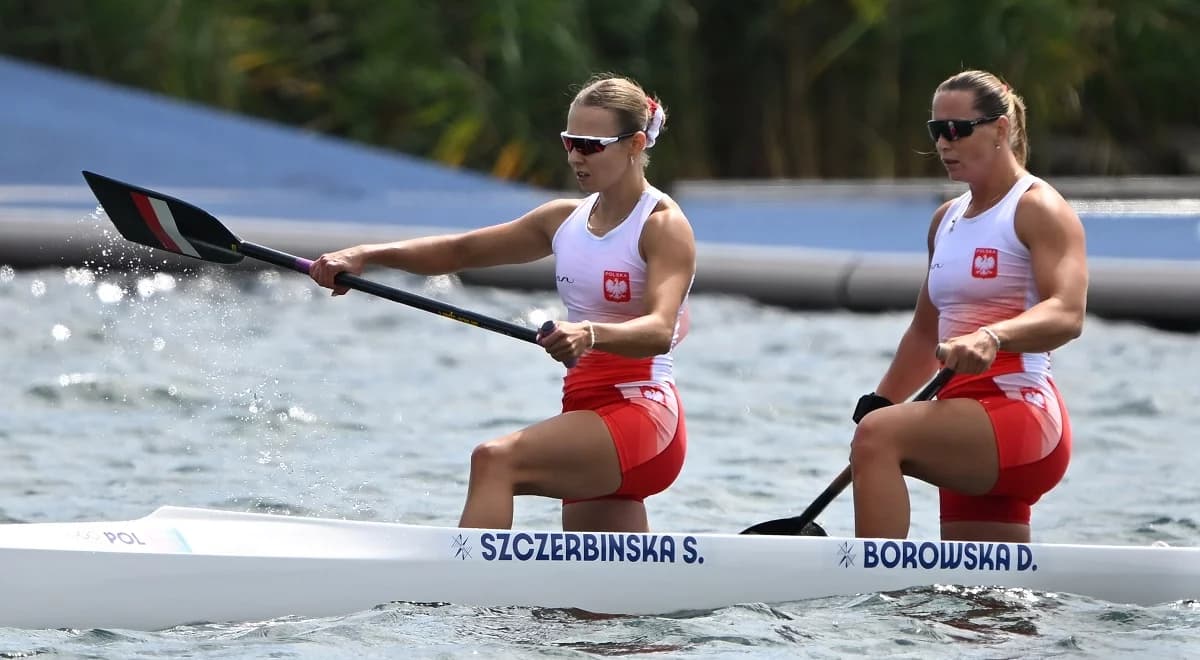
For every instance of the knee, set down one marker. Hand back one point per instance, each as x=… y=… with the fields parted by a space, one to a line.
x=491 y=457
x=872 y=443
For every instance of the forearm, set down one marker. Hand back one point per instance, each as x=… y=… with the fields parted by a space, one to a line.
x=1041 y=328
x=430 y=255
x=912 y=366
x=645 y=336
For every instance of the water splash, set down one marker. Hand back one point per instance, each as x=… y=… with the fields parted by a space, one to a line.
x=148 y=286
x=79 y=276
x=441 y=285
x=109 y=293
x=67 y=380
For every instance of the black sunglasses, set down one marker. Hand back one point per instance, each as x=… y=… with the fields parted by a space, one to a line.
x=587 y=145
x=953 y=129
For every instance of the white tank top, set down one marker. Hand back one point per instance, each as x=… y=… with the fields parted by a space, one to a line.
x=981 y=273
x=603 y=279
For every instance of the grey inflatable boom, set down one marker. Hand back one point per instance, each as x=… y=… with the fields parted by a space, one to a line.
x=1164 y=293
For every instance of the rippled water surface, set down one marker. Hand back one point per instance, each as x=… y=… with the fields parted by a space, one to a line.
x=253 y=391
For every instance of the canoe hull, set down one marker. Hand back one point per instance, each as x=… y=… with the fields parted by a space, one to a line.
x=179 y=566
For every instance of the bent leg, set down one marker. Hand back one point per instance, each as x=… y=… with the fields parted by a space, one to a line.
x=1034 y=448
x=570 y=456
x=948 y=443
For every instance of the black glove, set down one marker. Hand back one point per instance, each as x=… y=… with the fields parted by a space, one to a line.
x=867 y=403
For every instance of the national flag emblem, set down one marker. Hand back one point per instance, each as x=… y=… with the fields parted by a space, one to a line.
x=616 y=286
x=985 y=264
x=653 y=393
x=1034 y=396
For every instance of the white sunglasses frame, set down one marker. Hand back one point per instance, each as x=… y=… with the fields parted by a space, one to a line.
x=604 y=141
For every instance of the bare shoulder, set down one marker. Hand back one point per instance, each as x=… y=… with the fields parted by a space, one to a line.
x=1043 y=210
x=1044 y=198
x=667 y=232
x=550 y=215
x=668 y=217
x=555 y=209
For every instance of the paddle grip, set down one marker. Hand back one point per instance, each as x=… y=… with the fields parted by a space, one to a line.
x=547 y=328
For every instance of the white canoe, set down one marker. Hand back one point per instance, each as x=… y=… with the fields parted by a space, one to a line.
x=183 y=565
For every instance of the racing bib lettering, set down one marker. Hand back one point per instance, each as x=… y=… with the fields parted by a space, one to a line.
x=564 y=546
x=929 y=555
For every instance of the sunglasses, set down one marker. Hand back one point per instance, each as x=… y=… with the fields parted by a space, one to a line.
x=587 y=145
x=953 y=129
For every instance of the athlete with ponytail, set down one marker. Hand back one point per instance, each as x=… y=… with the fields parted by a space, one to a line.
x=1007 y=284
x=625 y=259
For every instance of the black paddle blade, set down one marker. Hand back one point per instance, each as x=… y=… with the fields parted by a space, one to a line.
x=164 y=222
x=785 y=527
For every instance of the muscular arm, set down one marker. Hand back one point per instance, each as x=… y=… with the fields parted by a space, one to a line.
x=914 y=362
x=522 y=240
x=669 y=248
x=525 y=239
x=1049 y=227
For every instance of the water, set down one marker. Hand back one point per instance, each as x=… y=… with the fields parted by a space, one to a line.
x=254 y=391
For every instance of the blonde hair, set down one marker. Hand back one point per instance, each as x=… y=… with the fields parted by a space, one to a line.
x=994 y=98
x=630 y=103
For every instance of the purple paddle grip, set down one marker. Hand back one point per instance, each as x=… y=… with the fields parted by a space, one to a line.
x=549 y=327
x=303 y=265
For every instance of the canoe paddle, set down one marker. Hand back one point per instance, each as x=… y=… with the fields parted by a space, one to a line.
x=804 y=524
x=166 y=223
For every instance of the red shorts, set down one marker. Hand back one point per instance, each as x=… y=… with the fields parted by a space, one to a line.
x=1033 y=443
x=646 y=424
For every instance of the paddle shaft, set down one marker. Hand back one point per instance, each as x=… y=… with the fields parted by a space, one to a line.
x=302 y=265
x=794 y=524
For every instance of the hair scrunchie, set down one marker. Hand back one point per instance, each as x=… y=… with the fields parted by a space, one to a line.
x=657 y=117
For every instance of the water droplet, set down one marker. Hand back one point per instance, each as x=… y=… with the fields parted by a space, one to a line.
x=440 y=285
x=60 y=332
x=538 y=316
x=300 y=414
x=37 y=288
x=145 y=288
x=67 y=380
x=159 y=343
x=109 y=293
x=7 y=274
x=164 y=282
x=79 y=276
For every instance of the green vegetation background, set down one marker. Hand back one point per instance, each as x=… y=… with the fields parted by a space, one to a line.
x=756 y=88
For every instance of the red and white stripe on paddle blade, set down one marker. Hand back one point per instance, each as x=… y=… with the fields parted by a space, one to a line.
x=164 y=222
